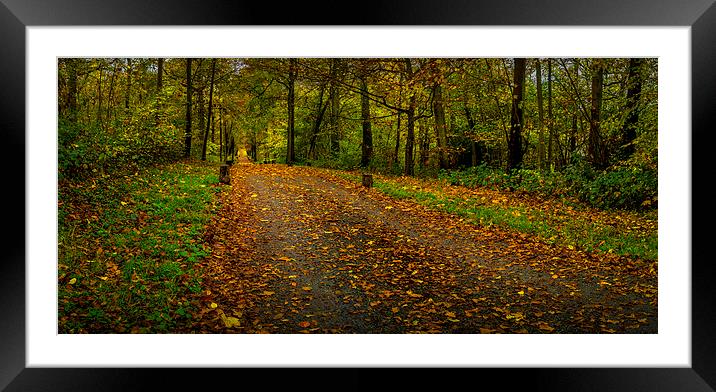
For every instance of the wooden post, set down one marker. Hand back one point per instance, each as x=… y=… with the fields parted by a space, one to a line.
x=224 y=176
x=367 y=180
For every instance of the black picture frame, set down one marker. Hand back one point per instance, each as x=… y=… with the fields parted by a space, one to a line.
x=16 y=15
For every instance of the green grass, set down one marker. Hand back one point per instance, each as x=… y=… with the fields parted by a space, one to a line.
x=132 y=243
x=566 y=230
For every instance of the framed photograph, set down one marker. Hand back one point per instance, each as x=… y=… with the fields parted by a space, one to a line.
x=676 y=354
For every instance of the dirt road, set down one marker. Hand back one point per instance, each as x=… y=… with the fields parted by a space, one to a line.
x=301 y=250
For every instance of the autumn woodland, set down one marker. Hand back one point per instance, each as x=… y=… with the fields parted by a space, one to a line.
x=357 y=195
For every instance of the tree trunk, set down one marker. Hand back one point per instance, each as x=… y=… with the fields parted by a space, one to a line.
x=440 y=126
x=596 y=147
x=410 y=131
x=424 y=143
x=632 y=102
x=367 y=147
x=211 y=104
x=410 y=139
x=320 y=112
x=540 y=125
x=160 y=75
x=290 y=155
x=129 y=83
x=550 y=119
x=187 y=131
x=72 y=90
x=335 y=107
x=517 y=117
x=110 y=95
x=99 y=95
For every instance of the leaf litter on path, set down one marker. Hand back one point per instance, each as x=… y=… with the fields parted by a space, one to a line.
x=302 y=250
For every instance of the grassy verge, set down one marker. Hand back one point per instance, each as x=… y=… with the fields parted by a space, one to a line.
x=128 y=248
x=564 y=223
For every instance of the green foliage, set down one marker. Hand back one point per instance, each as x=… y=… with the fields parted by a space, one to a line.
x=629 y=188
x=622 y=188
x=133 y=243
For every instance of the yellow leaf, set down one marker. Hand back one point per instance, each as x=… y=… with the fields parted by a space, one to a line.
x=213 y=305
x=521 y=292
x=388 y=207
x=268 y=293
x=394 y=310
x=555 y=276
x=450 y=314
x=123 y=203
x=73 y=280
x=306 y=288
x=230 y=322
x=254 y=195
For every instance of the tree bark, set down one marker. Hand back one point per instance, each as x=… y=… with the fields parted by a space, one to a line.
x=335 y=107
x=632 y=102
x=129 y=83
x=72 y=90
x=440 y=126
x=320 y=112
x=596 y=148
x=160 y=75
x=410 y=131
x=550 y=119
x=187 y=130
x=211 y=104
x=517 y=118
x=367 y=146
x=292 y=72
x=540 y=125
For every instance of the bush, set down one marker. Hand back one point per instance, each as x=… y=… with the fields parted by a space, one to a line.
x=620 y=188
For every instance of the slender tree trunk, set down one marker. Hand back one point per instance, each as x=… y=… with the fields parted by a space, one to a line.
x=187 y=131
x=397 y=139
x=99 y=95
x=410 y=131
x=335 y=107
x=596 y=147
x=320 y=111
x=160 y=75
x=292 y=72
x=199 y=104
x=410 y=139
x=517 y=117
x=72 y=90
x=211 y=104
x=110 y=95
x=367 y=146
x=540 y=125
x=129 y=83
x=424 y=143
x=550 y=118
x=440 y=126
x=632 y=102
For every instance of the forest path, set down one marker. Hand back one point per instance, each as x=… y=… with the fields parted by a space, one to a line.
x=302 y=250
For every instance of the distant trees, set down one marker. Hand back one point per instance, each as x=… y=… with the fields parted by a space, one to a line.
x=402 y=115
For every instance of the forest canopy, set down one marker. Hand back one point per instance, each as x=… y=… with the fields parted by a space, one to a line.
x=585 y=127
